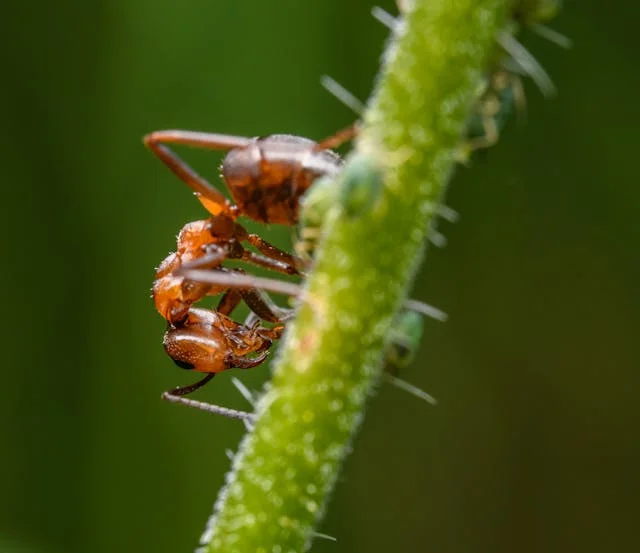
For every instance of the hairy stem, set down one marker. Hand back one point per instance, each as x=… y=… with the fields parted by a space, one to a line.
x=372 y=243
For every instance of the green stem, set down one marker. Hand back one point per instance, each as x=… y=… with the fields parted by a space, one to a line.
x=330 y=360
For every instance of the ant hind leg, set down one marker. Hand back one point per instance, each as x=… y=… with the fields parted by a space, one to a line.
x=213 y=200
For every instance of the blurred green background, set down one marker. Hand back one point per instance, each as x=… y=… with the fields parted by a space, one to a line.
x=534 y=445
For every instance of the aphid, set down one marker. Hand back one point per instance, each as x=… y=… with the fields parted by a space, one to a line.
x=502 y=92
x=404 y=342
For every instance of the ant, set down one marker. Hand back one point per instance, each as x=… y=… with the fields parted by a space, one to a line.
x=266 y=177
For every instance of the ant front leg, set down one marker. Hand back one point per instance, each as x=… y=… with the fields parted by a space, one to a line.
x=211 y=197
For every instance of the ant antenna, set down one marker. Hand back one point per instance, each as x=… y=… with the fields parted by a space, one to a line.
x=384 y=17
x=238 y=280
x=342 y=94
x=527 y=62
x=209 y=407
x=413 y=390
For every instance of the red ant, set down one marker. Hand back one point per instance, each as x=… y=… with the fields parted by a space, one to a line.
x=266 y=177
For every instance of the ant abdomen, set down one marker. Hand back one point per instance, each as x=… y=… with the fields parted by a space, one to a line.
x=267 y=178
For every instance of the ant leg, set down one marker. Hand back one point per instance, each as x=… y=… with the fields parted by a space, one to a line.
x=229 y=301
x=185 y=390
x=262 y=306
x=290 y=289
x=239 y=280
x=259 y=303
x=268 y=263
x=274 y=333
x=242 y=280
x=239 y=362
x=204 y=140
x=272 y=252
x=339 y=138
x=155 y=141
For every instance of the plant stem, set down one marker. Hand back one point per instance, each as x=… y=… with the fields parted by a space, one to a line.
x=372 y=242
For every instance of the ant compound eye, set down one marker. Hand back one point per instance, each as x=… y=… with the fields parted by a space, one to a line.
x=184 y=365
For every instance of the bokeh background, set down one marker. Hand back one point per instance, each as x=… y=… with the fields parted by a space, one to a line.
x=534 y=445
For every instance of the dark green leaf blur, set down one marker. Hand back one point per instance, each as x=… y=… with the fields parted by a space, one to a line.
x=534 y=445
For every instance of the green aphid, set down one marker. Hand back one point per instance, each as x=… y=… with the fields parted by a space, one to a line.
x=360 y=185
x=404 y=341
x=355 y=191
x=314 y=208
x=501 y=92
x=501 y=95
